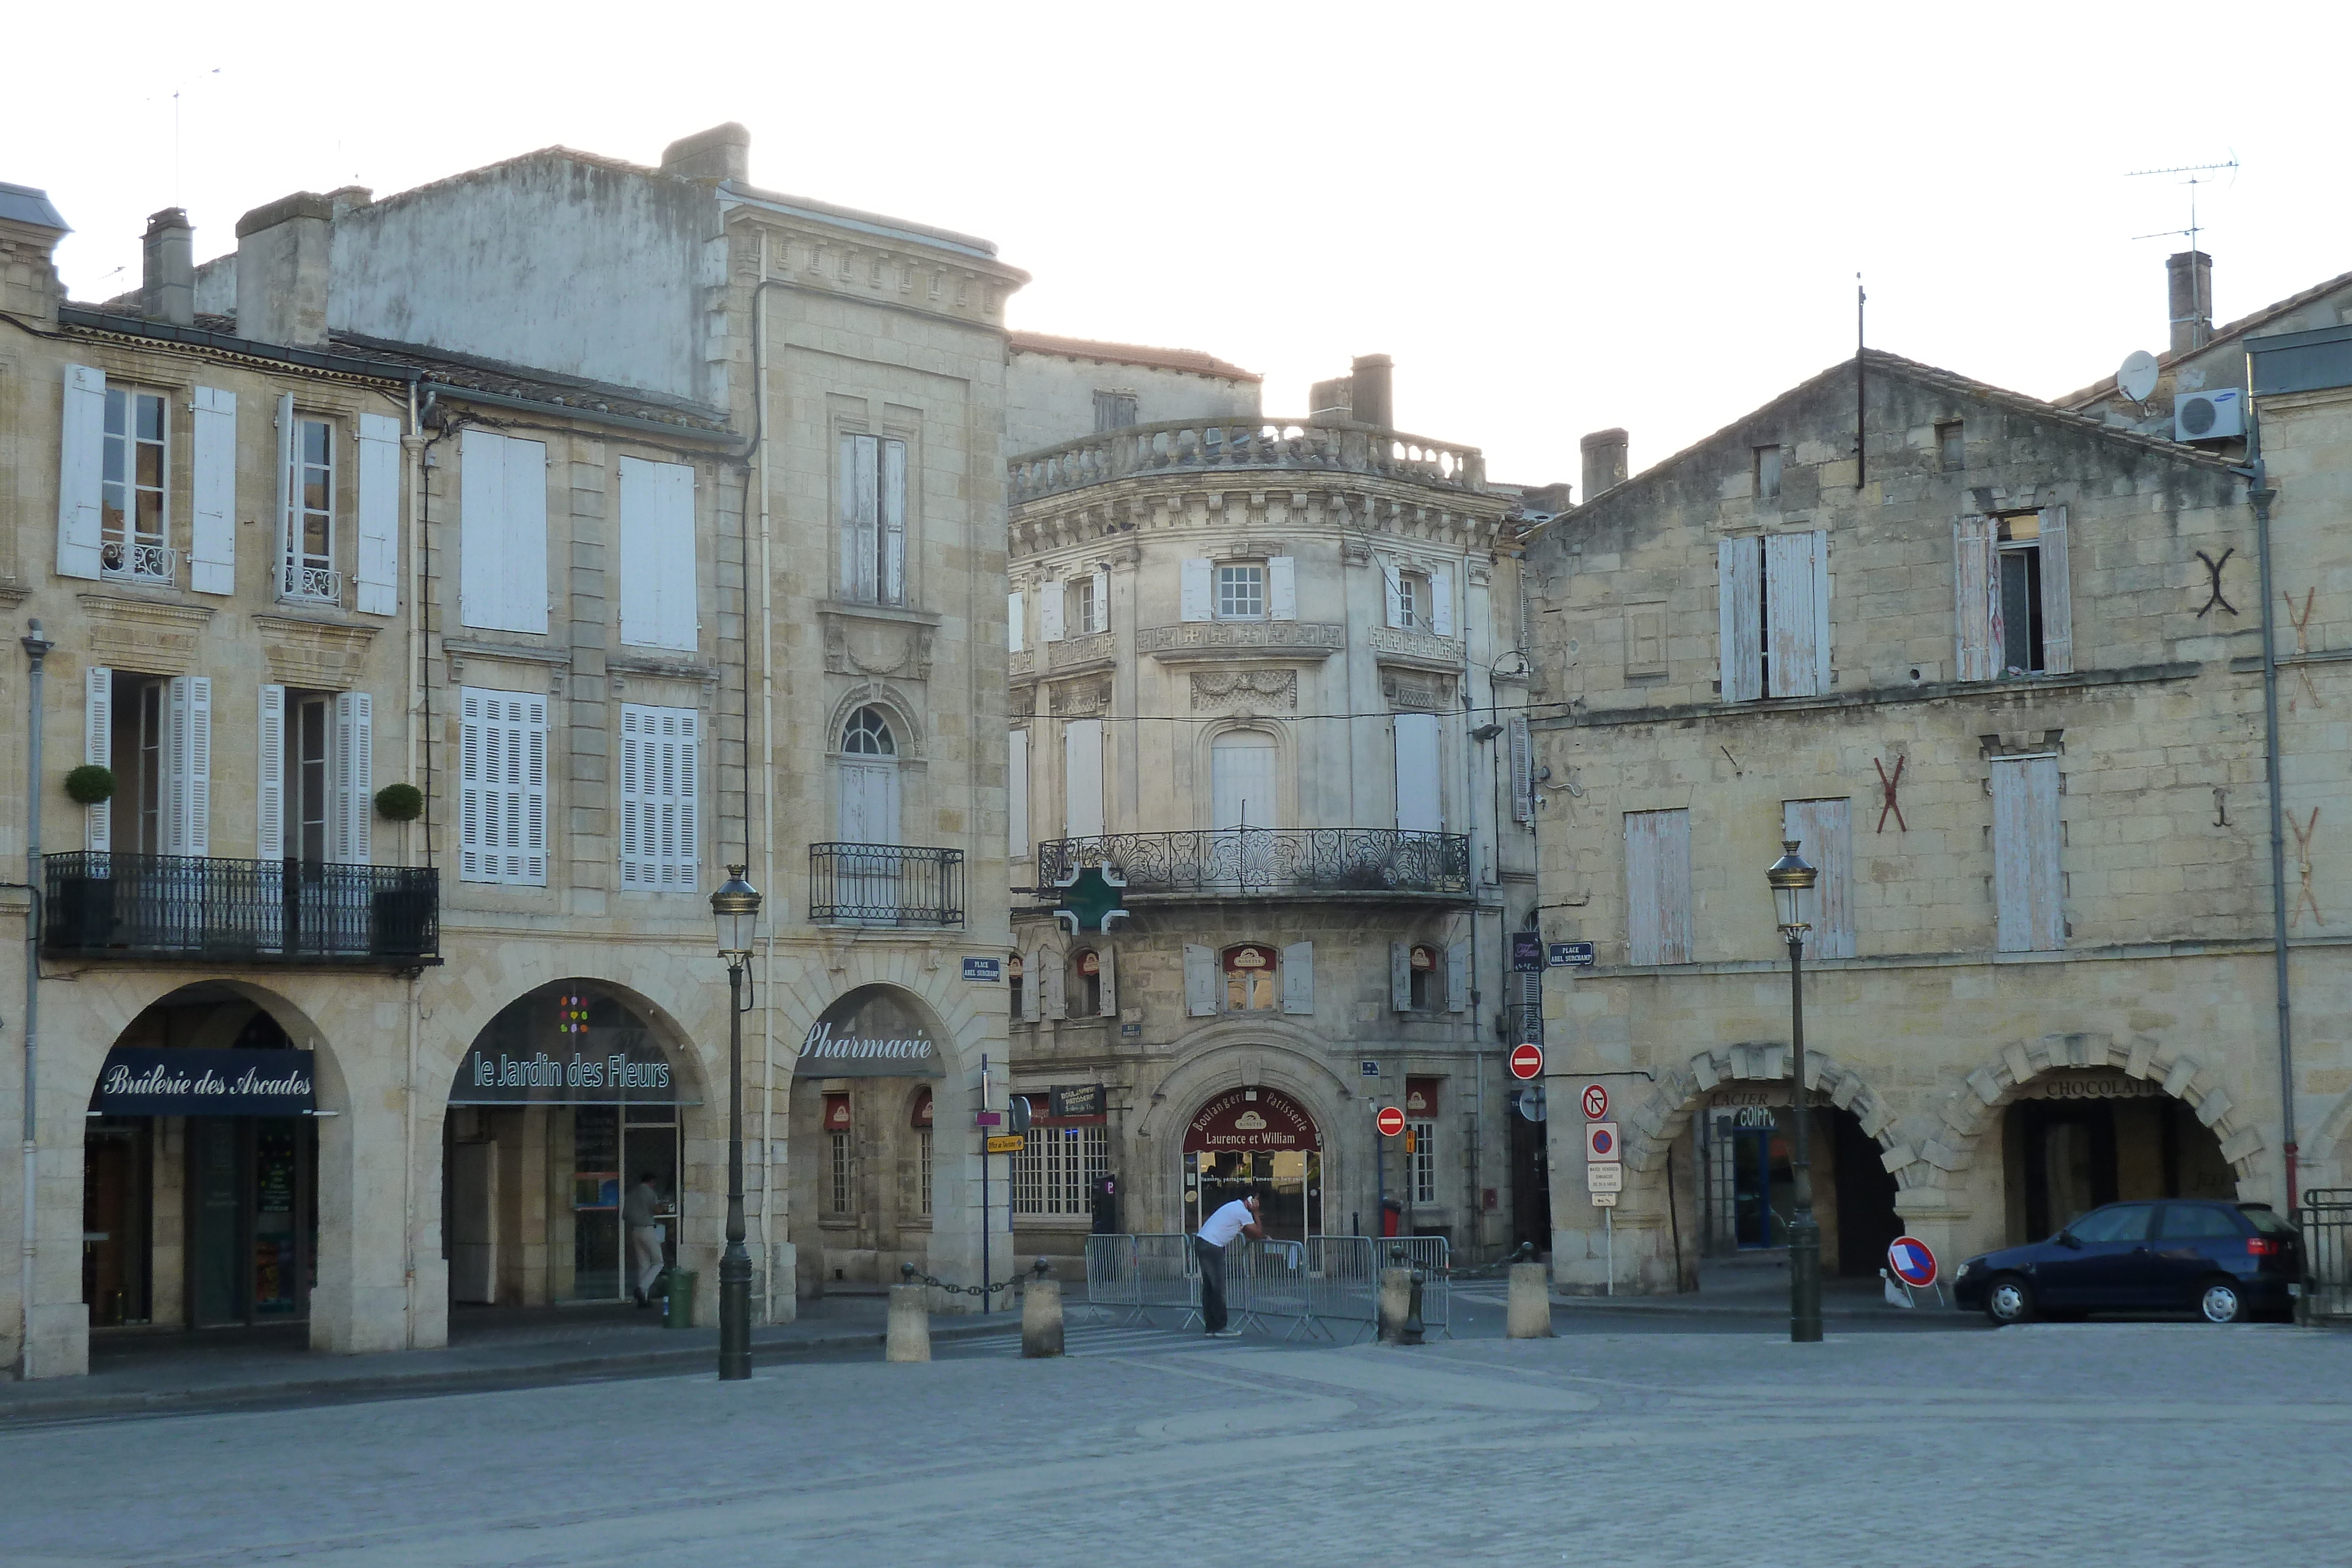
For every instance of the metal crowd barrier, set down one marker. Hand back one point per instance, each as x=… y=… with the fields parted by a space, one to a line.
x=1320 y=1286
x=2326 y=1221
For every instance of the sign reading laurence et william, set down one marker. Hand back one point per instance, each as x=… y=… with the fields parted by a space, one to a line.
x=176 y=1080
x=872 y=1032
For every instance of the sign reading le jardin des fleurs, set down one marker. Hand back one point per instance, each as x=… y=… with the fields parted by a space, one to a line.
x=176 y=1080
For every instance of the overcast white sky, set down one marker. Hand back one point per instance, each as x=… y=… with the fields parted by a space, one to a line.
x=1556 y=217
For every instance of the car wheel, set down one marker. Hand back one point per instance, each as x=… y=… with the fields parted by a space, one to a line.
x=2222 y=1303
x=2009 y=1300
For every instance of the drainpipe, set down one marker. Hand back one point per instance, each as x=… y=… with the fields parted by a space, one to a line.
x=38 y=647
x=2262 y=496
x=767 y=786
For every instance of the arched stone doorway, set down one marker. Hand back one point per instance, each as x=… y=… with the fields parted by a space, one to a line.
x=1254 y=1140
x=567 y=1101
x=865 y=1181
x=200 y=1166
x=1740 y=1149
x=2074 y=1138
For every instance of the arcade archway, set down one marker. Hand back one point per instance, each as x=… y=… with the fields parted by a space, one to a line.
x=2074 y=1138
x=862 y=1161
x=1254 y=1141
x=568 y=1103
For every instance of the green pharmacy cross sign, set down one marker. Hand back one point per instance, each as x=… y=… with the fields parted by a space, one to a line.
x=1090 y=899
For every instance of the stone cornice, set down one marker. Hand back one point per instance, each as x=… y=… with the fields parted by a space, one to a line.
x=1195 y=640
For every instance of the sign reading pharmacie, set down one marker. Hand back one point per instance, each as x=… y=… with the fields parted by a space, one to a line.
x=871 y=1032
x=176 y=1080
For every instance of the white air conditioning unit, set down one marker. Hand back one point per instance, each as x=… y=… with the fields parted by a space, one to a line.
x=2208 y=415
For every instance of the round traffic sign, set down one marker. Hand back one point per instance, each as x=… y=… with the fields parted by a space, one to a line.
x=1390 y=1120
x=1912 y=1261
x=1600 y=1142
x=1526 y=1061
x=1596 y=1102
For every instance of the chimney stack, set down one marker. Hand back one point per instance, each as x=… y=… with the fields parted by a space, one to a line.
x=29 y=230
x=721 y=152
x=1604 y=462
x=2189 y=277
x=167 y=273
x=1371 y=374
x=282 y=254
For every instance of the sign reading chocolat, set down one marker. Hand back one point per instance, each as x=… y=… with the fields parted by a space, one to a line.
x=1251 y=1120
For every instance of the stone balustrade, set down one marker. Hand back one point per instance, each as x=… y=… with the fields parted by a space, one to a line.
x=1190 y=445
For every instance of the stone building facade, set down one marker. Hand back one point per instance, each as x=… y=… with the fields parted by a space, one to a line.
x=714 y=583
x=1256 y=669
x=1976 y=675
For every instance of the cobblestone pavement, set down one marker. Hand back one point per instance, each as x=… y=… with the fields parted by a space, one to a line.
x=2137 y=1444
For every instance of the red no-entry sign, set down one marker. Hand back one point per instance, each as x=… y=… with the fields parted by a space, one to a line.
x=1526 y=1061
x=1390 y=1120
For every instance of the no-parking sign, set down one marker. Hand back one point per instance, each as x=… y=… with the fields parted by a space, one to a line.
x=1601 y=1143
x=1912 y=1261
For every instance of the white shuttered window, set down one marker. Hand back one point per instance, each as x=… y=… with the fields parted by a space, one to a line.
x=80 y=458
x=377 y=574
x=212 y=527
x=659 y=848
x=658 y=569
x=1016 y=789
x=502 y=786
x=1082 y=778
x=502 y=532
x=1657 y=887
x=1773 y=615
x=1419 y=799
x=871 y=490
x=1823 y=831
x=2027 y=885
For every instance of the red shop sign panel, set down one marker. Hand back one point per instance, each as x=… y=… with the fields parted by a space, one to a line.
x=836 y=1113
x=1251 y=1120
x=1421 y=1096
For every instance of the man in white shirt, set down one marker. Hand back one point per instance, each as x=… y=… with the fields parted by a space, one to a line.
x=1239 y=1218
x=639 y=1217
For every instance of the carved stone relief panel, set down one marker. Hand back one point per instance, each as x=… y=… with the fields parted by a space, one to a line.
x=1255 y=691
x=1411 y=692
x=1080 y=699
x=854 y=646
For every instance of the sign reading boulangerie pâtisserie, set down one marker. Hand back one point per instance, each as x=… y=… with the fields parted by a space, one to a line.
x=869 y=1033
x=171 y=1081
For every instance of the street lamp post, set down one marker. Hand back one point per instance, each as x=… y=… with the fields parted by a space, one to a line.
x=736 y=908
x=1792 y=897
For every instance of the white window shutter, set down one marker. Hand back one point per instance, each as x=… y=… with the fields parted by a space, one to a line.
x=1050 y=604
x=280 y=576
x=473 y=787
x=481 y=498
x=1820 y=610
x=1976 y=599
x=1657 y=887
x=1740 y=632
x=212 y=522
x=1401 y=977
x=1441 y=601
x=1197 y=593
x=1200 y=978
x=1391 y=589
x=1419 y=797
x=860 y=505
x=641 y=545
x=523 y=548
x=1054 y=985
x=1102 y=622
x=893 y=523
x=269 y=774
x=1457 y=977
x=1824 y=832
x=1298 y=977
x=1282 y=588
x=189 y=752
x=681 y=607
x=98 y=748
x=2057 y=596
x=685 y=796
x=659 y=848
x=376 y=581
x=1082 y=778
x=1793 y=612
x=1108 y=977
x=1033 y=966
x=1015 y=622
x=81 y=457
x=1016 y=796
x=1523 y=768
x=355 y=776
x=534 y=789
x=2026 y=833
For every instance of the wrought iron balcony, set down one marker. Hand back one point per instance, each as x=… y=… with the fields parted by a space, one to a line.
x=884 y=884
x=1257 y=863
x=101 y=904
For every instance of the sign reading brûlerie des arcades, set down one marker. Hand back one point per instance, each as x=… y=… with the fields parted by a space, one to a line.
x=179 y=1080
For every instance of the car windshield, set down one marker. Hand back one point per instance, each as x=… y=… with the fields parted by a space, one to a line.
x=2266 y=1219
x=2118 y=1222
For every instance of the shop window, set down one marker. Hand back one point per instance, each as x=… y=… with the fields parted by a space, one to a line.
x=1427 y=981
x=1421 y=1160
x=839 y=1195
x=1086 y=982
x=1055 y=1172
x=920 y=1121
x=1249 y=978
x=1014 y=979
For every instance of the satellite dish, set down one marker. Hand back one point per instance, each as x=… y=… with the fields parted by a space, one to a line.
x=2137 y=379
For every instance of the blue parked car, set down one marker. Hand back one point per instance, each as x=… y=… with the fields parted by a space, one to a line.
x=2228 y=1262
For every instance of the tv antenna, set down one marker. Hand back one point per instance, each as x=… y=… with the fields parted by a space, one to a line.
x=176 y=95
x=2199 y=308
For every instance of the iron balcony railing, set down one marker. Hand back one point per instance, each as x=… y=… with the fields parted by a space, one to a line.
x=1254 y=862
x=884 y=884
x=100 y=904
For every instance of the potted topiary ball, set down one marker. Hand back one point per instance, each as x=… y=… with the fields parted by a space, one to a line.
x=91 y=784
x=400 y=802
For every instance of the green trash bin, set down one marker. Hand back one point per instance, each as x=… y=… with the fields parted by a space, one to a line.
x=678 y=1298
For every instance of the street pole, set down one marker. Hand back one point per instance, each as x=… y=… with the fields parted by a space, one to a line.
x=986 y=1301
x=735 y=1265
x=1804 y=1235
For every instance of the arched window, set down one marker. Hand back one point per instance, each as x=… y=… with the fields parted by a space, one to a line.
x=870 y=779
x=868 y=735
